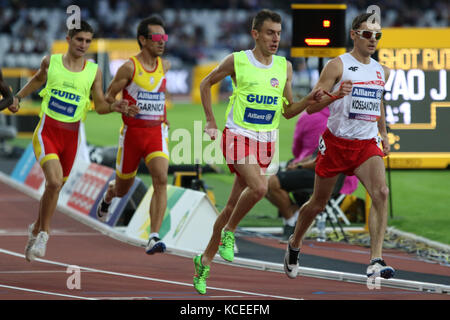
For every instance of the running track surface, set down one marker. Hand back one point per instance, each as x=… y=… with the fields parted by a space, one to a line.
x=111 y=269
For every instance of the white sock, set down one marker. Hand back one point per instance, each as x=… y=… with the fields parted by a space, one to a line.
x=154 y=234
x=292 y=220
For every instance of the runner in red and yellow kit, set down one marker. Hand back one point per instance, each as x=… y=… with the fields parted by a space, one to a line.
x=69 y=81
x=142 y=82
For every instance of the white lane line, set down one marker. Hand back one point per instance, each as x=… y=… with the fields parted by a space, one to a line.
x=14 y=198
x=147 y=278
x=45 y=292
x=56 y=232
x=33 y=271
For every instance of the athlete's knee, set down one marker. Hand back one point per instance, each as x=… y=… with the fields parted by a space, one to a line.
x=319 y=208
x=159 y=180
x=381 y=193
x=260 y=190
x=54 y=184
x=316 y=206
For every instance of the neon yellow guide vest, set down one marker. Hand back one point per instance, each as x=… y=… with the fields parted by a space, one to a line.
x=66 y=94
x=257 y=99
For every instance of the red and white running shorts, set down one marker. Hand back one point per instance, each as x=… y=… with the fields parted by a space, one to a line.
x=236 y=149
x=339 y=155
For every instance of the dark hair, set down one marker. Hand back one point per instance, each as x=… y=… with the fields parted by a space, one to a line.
x=262 y=16
x=359 y=19
x=142 y=29
x=84 y=27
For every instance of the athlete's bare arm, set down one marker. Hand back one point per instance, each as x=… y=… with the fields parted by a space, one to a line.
x=102 y=106
x=166 y=65
x=291 y=109
x=37 y=81
x=123 y=77
x=382 y=121
x=224 y=69
x=7 y=97
x=331 y=74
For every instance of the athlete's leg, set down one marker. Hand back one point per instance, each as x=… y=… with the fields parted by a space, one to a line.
x=256 y=189
x=127 y=162
x=222 y=219
x=372 y=175
x=118 y=188
x=323 y=187
x=47 y=205
x=158 y=168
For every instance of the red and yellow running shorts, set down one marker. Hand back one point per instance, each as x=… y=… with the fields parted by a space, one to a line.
x=136 y=143
x=53 y=139
x=339 y=155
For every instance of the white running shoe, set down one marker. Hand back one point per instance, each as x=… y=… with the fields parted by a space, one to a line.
x=291 y=260
x=31 y=239
x=378 y=268
x=40 y=244
x=155 y=245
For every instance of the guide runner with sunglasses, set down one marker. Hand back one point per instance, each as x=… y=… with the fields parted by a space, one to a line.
x=142 y=82
x=349 y=145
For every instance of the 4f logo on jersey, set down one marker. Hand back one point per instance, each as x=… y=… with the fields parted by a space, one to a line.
x=379 y=75
x=353 y=68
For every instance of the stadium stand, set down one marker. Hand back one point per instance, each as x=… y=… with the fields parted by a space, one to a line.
x=200 y=31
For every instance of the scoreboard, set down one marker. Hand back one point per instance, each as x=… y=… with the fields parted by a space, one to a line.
x=318 y=30
x=417 y=97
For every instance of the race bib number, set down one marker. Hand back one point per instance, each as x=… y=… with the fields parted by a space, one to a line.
x=151 y=105
x=322 y=147
x=365 y=104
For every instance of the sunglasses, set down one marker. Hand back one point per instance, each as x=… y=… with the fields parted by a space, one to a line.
x=158 y=37
x=368 y=34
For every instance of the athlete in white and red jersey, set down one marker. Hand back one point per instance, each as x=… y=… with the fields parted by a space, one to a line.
x=349 y=144
x=142 y=82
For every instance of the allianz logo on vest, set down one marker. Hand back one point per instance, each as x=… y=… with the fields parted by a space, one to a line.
x=258 y=116
x=367 y=93
x=62 y=107
x=266 y=117
x=262 y=99
x=66 y=95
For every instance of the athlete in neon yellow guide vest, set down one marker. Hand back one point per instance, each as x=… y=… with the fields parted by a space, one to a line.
x=261 y=94
x=70 y=79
